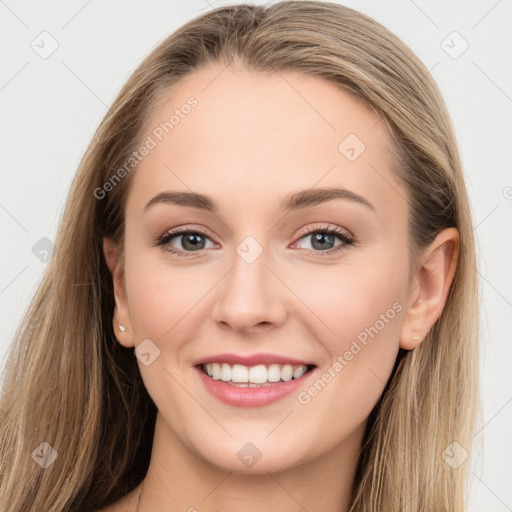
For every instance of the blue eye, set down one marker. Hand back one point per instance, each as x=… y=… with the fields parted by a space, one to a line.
x=194 y=241
x=191 y=241
x=322 y=240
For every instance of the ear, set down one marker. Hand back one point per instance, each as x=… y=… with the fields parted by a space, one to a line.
x=114 y=261
x=430 y=284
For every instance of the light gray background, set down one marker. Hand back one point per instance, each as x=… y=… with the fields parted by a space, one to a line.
x=51 y=107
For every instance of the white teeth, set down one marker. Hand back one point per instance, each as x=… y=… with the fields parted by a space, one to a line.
x=274 y=373
x=259 y=374
x=239 y=373
x=287 y=372
x=225 y=372
x=299 y=371
x=215 y=369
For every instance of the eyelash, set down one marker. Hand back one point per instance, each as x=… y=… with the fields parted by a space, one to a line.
x=343 y=235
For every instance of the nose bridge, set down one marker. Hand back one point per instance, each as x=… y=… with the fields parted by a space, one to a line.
x=250 y=294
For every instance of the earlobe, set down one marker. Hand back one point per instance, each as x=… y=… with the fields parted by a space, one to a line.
x=121 y=318
x=430 y=287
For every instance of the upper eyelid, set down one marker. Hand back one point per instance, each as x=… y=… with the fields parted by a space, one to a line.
x=337 y=229
x=189 y=229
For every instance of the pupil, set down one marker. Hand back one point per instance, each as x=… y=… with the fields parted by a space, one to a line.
x=322 y=238
x=193 y=241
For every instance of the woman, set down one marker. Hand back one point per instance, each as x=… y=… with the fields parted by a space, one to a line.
x=319 y=350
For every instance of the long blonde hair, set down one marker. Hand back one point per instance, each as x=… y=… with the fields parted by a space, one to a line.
x=69 y=383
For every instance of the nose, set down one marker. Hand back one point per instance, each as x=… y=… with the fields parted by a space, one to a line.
x=251 y=297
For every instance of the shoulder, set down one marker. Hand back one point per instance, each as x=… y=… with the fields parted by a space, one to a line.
x=126 y=504
x=119 y=506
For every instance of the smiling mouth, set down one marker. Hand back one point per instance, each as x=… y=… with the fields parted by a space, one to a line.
x=254 y=376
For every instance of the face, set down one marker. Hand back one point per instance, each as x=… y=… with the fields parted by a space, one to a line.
x=316 y=278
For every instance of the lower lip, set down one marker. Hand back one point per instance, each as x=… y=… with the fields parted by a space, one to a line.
x=251 y=397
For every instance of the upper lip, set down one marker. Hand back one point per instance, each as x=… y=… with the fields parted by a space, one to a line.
x=251 y=360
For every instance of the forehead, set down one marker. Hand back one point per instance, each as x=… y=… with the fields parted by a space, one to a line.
x=254 y=137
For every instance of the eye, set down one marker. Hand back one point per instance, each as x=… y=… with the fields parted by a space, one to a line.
x=322 y=240
x=184 y=242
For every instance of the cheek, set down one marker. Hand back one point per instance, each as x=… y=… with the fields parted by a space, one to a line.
x=359 y=311
x=349 y=300
x=161 y=296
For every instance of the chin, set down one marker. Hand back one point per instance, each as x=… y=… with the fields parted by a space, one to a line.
x=247 y=457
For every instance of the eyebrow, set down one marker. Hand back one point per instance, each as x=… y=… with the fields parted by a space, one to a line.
x=292 y=201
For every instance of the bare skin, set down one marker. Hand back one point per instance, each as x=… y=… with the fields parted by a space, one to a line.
x=251 y=140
